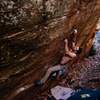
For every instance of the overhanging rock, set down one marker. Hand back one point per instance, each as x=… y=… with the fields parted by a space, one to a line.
x=32 y=34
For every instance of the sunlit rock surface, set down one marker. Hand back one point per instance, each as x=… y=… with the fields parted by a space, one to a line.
x=32 y=34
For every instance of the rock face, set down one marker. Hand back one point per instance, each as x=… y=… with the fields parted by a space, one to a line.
x=32 y=34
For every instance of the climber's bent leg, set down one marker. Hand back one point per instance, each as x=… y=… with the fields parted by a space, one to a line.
x=60 y=68
x=49 y=71
x=65 y=59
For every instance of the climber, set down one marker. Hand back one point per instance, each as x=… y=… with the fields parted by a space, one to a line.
x=70 y=52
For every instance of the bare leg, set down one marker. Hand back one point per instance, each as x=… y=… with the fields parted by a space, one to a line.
x=49 y=71
x=64 y=60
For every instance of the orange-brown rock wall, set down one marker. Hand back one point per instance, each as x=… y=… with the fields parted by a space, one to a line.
x=32 y=34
